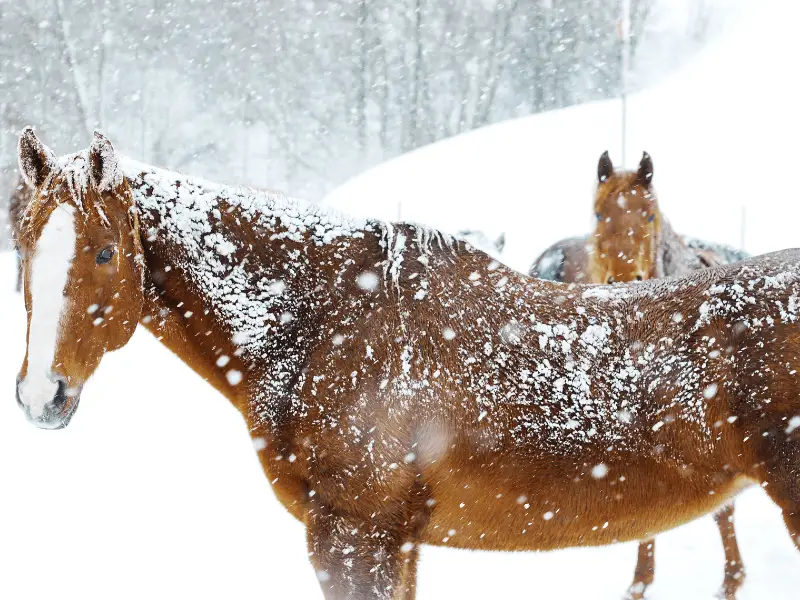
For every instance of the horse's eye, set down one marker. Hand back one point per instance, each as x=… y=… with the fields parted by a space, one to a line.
x=651 y=218
x=105 y=255
x=610 y=280
x=638 y=278
x=599 y=216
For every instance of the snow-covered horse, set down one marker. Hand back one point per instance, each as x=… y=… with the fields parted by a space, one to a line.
x=404 y=389
x=633 y=241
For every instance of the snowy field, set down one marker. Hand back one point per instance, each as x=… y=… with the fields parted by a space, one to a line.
x=722 y=132
x=154 y=490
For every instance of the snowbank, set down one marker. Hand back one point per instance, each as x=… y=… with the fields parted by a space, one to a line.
x=722 y=133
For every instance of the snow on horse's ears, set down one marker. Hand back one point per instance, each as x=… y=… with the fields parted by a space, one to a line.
x=645 y=173
x=36 y=161
x=605 y=168
x=104 y=171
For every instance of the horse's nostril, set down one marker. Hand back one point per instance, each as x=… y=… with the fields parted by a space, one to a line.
x=60 y=398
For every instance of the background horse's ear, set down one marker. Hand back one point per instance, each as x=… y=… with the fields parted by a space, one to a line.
x=605 y=167
x=36 y=161
x=500 y=242
x=645 y=173
x=105 y=172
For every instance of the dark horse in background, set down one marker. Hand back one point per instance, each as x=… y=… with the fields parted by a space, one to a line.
x=633 y=241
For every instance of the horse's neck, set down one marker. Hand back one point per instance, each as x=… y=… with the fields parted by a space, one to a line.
x=236 y=279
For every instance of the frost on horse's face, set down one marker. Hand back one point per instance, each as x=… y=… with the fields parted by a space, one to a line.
x=82 y=271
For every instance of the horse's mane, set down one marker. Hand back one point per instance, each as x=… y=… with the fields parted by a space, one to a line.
x=256 y=205
x=197 y=197
x=73 y=170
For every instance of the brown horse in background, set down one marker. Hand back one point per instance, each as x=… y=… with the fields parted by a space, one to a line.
x=21 y=195
x=632 y=242
x=404 y=389
x=632 y=239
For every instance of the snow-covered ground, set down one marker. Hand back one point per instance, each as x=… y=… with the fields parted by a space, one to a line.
x=722 y=132
x=154 y=490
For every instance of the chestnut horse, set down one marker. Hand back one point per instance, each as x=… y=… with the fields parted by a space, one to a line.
x=20 y=198
x=633 y=241
x=403 y=389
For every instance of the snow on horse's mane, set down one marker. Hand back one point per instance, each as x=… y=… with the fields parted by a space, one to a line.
x=262 y=206
x=297 y=216
x=73 y=169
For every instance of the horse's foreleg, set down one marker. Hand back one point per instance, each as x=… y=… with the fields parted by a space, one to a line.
x=358 y=558
x=408 y=582
x=645 y=570
x=734 y=569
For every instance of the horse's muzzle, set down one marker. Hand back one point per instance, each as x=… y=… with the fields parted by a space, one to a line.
x=57 y=413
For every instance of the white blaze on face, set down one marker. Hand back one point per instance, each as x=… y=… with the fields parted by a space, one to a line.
x=52 y=260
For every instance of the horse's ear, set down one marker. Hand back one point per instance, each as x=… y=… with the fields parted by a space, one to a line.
x=105 y=171
x=645 y=172
x=36 y=161
x=605 y=168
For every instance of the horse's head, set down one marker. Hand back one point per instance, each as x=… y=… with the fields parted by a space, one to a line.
x=626 y=237
x=82 y=263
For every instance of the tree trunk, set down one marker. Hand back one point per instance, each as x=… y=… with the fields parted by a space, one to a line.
x=72 y=64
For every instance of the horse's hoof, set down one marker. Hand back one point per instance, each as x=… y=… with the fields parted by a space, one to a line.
x=635 y=592
x=730 y=586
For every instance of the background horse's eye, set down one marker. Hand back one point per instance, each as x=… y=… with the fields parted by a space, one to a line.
x=105 y=255
x=651 y=218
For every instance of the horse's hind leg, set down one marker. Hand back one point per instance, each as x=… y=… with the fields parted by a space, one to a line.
x=358 y=558
x=645 y=570
x=734 y=569
x=780 y=476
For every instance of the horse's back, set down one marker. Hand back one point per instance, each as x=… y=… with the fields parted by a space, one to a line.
x=712 y=253
x=564 y=261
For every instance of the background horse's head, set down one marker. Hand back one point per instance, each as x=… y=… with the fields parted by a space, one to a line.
x=625 y=239
x=82 y=264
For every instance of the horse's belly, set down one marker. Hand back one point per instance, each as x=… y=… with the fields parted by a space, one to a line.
x=562 y=512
